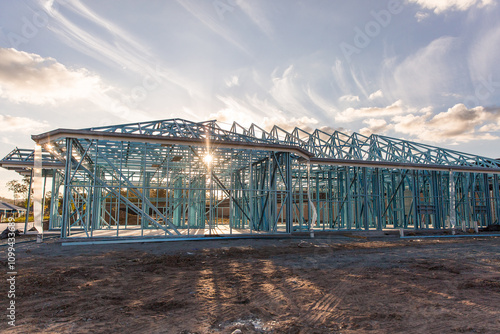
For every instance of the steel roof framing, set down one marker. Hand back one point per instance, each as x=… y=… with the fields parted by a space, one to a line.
x=153 y=176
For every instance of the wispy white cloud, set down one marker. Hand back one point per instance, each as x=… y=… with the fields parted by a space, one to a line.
x=113 y=46
x=349 y=98
x=119 y=50
x=440 y=6
x=340 y=76
x=349 y=78
x=328 y=107
x=206 y=56
x=264 y=113
x=484 y=54
x=430 y=72
x=206 y=13
x=76 y=6
x=285 y=91
x=241 y=110
x=357 y=76
x=257 y=15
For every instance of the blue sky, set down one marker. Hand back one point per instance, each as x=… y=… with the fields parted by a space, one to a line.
x=416 y=69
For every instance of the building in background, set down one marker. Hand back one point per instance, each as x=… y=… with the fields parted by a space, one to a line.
x=10 y=210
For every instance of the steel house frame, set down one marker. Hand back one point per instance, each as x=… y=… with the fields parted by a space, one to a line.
x=176 y=178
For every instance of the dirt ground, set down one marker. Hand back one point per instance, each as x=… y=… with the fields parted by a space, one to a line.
x=333 y=284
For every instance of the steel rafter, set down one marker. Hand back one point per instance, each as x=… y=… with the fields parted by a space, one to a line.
x=177 y=177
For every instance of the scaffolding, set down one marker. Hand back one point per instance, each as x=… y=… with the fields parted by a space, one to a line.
x=176 y=178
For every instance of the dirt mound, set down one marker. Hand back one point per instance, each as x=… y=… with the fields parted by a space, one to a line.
x=5 y=233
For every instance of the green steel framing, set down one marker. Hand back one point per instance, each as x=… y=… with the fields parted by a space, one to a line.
x=176 y=178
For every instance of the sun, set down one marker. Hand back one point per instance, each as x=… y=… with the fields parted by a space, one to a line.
x=208 y=159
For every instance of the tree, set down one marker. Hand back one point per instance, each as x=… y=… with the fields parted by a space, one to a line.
x=19 y=188
x=48 y=201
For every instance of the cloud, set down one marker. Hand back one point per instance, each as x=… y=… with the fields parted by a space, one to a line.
x=258 y=16
x=320 y=102
x=288 y=124
x=376 y=95
x=349 y=98
x=30 y=78
x=440 y=6
x=243 y=110
x=349 y=78
x=484 y=54
x=430 y=72
x=375 y=126
x=340 y=76
x=111 y=45
x=420 y=16
x=118 y=49
x=233 y=81
x=23 y=125
x=227 y=116
x=458 y=124
x=231 y=114
x=207 y=12
x=307 y=124
x=284 y=90
x=351 y=114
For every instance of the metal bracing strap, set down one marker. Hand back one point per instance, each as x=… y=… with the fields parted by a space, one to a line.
x=166 y=220
x=345 y=197
x=135 y=207
x=267 y=195
x=394 y=193
x=105 y=185
x=219 y=182
x=81 y=161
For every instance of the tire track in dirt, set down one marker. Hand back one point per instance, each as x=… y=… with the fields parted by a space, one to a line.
x=326 y=310
x=178 y=293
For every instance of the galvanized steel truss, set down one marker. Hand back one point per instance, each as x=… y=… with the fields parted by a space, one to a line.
x=180 y=178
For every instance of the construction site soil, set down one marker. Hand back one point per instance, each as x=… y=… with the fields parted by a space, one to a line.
x=334 y=284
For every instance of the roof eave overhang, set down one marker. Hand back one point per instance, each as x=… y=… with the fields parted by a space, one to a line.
x=29 y=164
x=305 y=155
x=403 y=165
x=132 y=137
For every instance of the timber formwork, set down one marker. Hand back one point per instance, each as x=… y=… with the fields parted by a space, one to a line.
x=176 y=178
